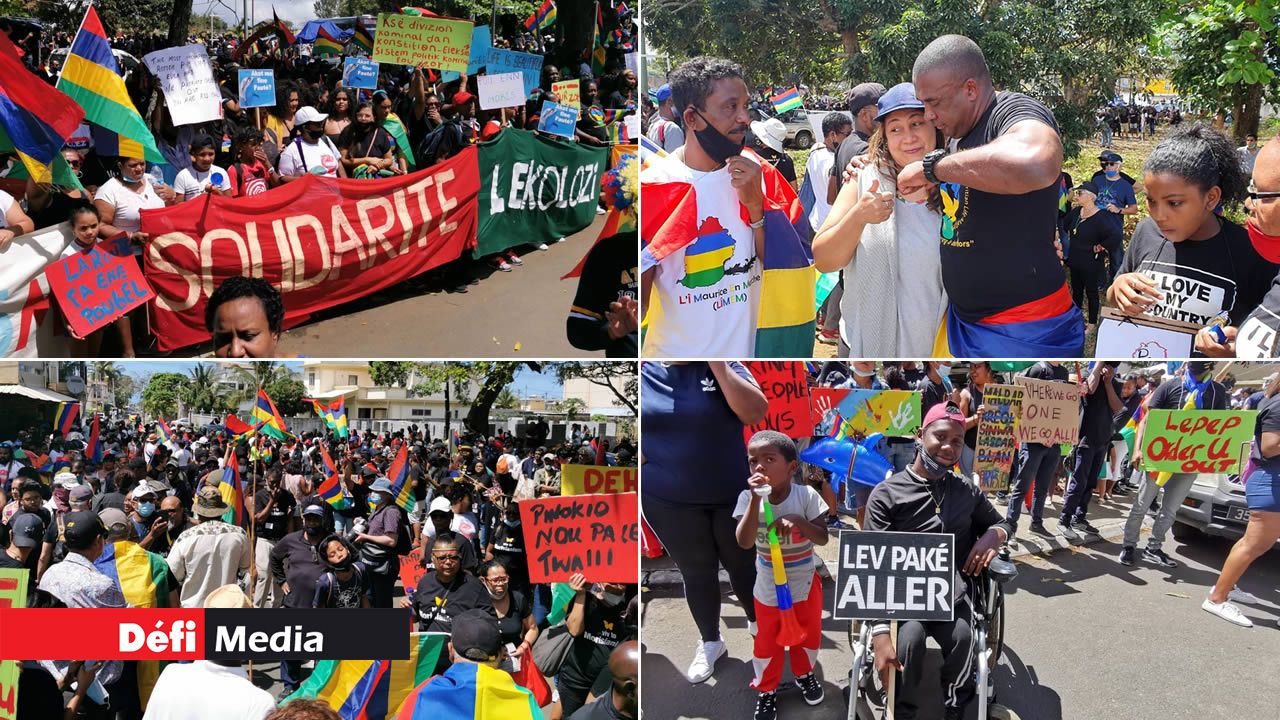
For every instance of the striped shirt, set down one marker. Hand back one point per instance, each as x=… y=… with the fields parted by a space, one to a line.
x=797 y=550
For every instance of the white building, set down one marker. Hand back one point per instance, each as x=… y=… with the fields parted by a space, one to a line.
x=598 y=399
x=367 y=401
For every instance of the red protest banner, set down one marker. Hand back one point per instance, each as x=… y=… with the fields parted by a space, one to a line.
x=596 y=535
x=322 y=242
x=96 y=287
x=411 y=568
x=787 y=388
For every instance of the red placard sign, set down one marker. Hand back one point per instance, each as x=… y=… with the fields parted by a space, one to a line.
x=787 y=388
x=596 y=535
x=96 y=287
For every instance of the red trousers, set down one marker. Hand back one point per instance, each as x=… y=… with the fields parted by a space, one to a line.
x=768 y=656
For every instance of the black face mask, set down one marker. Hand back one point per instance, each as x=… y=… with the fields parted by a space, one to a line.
x=932 y=466
x=312 y=134
x=716 y=144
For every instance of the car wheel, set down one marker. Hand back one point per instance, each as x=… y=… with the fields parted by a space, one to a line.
x=1184 y=532
x=804 y=139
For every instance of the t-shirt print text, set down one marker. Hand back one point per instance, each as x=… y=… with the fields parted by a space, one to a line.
x=955 y=209
x=1190 y=295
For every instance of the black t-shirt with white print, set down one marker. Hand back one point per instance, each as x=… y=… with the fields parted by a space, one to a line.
x=1200 y=278
x=1010 y=237
x=1258 y=334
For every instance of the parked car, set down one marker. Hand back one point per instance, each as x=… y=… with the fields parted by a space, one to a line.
x=126 y=62
x=799 y=131
x=1214 y=506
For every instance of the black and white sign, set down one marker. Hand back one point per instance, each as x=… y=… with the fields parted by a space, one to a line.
x=895 y=576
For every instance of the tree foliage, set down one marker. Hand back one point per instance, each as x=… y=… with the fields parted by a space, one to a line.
x=506 y=400
x=287 y=393
x=201 y=390
x=572 y=407
x=619 y=378
x=162 y=393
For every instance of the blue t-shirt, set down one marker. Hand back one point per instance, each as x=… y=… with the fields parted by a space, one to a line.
x=1116 y=192
x=693 y=447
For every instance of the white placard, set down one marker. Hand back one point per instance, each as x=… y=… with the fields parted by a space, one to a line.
x=501 y=91
x=633 y=62
x=186 y=76
x=1125 y=339
x=633 y=127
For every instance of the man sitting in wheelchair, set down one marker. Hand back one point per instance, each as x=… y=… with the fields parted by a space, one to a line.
x=929 y=497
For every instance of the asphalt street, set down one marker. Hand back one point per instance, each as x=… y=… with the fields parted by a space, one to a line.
x=1086 y=639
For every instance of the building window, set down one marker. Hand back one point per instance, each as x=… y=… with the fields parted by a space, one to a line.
x=311 y=379
x=353 y=380
x=420 y=412
x=363 y=413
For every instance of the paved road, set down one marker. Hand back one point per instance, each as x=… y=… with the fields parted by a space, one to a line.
x=417 y=319
x=1087 y=639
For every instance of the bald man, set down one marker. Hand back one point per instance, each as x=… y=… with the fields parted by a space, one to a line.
x=998 y=177
x=622 y=699
x=1256 y=338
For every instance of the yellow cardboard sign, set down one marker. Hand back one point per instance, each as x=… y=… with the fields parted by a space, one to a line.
x=569 y=92
x=414 y=40
x=597 y=480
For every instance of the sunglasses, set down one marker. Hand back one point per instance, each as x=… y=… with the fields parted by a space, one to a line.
x=449 y=558
x=1110 y=164
x=1255 y=195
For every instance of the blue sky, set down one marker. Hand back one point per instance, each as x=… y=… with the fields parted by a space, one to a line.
x=527 y=383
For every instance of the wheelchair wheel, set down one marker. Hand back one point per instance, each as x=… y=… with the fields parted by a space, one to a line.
x=995 y=628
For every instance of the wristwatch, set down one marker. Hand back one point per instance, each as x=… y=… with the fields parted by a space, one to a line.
x=930 y=160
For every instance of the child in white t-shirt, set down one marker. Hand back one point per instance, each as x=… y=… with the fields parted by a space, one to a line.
x=799 y=519
x=203 y=176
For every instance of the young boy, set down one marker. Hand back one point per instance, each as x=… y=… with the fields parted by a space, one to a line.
x=203 y=176
x=799 y=516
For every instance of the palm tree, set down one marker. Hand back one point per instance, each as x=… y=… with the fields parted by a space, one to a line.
x=201 y=392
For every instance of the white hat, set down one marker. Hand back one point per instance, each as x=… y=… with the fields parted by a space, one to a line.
x=66 y=479
x=146 y=487
x=307 y=114
x=440 y=504
x=771 y=132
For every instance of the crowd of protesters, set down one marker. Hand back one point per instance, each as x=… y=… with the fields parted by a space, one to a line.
x=69 y=521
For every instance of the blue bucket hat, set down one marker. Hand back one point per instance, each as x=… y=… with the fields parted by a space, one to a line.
x=899 y=97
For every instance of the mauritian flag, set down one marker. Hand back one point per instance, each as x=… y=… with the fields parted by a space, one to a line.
x=470 y=690
x=331 y=488
x=790 y=633
x=368 y=689
x=326 y=44
x=787 y=289
x=542 y=18
x=65 y=417
x=362 y=40
x=265 y=412
x=36 y=120
x=143 y=578
x=788 y=99
x=93 y=448
x=334 y=415
x=240 y=430
x=92 y=78
x=233 y=491
x=398 y=473
x=163 y=430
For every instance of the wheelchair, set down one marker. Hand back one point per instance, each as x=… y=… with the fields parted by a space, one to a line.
x=865 y=697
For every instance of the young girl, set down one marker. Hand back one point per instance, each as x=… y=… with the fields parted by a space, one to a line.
x=799 y=515
x=251 y=174
x=1185 y=262
x=345 y=584
x=84 y=226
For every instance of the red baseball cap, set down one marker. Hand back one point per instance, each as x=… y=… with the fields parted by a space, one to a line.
x=491 y=130
x=943 y=411
x=462 y=97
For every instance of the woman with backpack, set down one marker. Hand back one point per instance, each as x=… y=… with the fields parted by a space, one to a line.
x=386 y=538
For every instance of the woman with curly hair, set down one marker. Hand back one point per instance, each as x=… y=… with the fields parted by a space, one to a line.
x=244 y=316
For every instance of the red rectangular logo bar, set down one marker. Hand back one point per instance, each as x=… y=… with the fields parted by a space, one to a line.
x=197 y=634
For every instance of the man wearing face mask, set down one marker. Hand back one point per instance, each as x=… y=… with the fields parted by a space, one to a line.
x=1256 y=338
x=1115 y=198
x=147 y=525
x=707 y=269
x=311 y=153
x=296 y=566
x=929 y=497
x=386 y=538
x=506 y=544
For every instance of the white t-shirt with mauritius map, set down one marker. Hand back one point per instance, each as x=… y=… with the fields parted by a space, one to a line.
x=797 y=550
x=709 y=290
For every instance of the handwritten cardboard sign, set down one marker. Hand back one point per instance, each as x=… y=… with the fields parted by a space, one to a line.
x=597 y=480
x=528 y=65
x=596 y=535
x=190 y=89
x=895 y=576
x=997 y=435
x=569 y=93
x=1124 y=337
x=96 y=287
x=411 y=568
x=557 y=119
x=1196 y=441
x=1050 y=412
x=359 y=73
x=895 y=413
x=257 y=88
x=787 y=389
x=414 y=40
x=501 y=91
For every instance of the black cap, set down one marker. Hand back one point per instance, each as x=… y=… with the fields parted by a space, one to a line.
x=1198 y=367
x=82 y=528
x=475 y=636
x=26 y=530
x=1088 y=185
x=1109 y=156
x=868 y=93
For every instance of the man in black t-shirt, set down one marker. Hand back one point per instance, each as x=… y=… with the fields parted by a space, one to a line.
x=621 y=701
x=25 y=532
x=1100 y=403
x=999 y=186
x=864 y=103
x=272 y=511
x=445 y=591
x=1171 y=395
x=604 y=311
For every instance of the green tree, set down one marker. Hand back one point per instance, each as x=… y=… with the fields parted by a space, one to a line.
x=162 y=393
x=201 y=390
x=506 y=400
x=619 y=378
x=491 y=377
x=390 y=374
x=287 y=393
x=572 y=407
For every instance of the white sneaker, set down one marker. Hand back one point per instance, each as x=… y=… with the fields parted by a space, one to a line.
x=560 y=240
x=752 y=628
x=1227 y=612
x=542 y=246
x=704 y=660
x=1242 y=596
x=599 y=210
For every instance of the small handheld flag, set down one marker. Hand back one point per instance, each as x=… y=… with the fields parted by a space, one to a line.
x=331 y=488
x=272 y=423
x=790 y=633
x=542 y=18
x=786 y=100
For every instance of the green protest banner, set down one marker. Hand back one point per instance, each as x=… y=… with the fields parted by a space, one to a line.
x=412 y=40
x=13 y=594
x=1196 y=441
x=535 y=189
